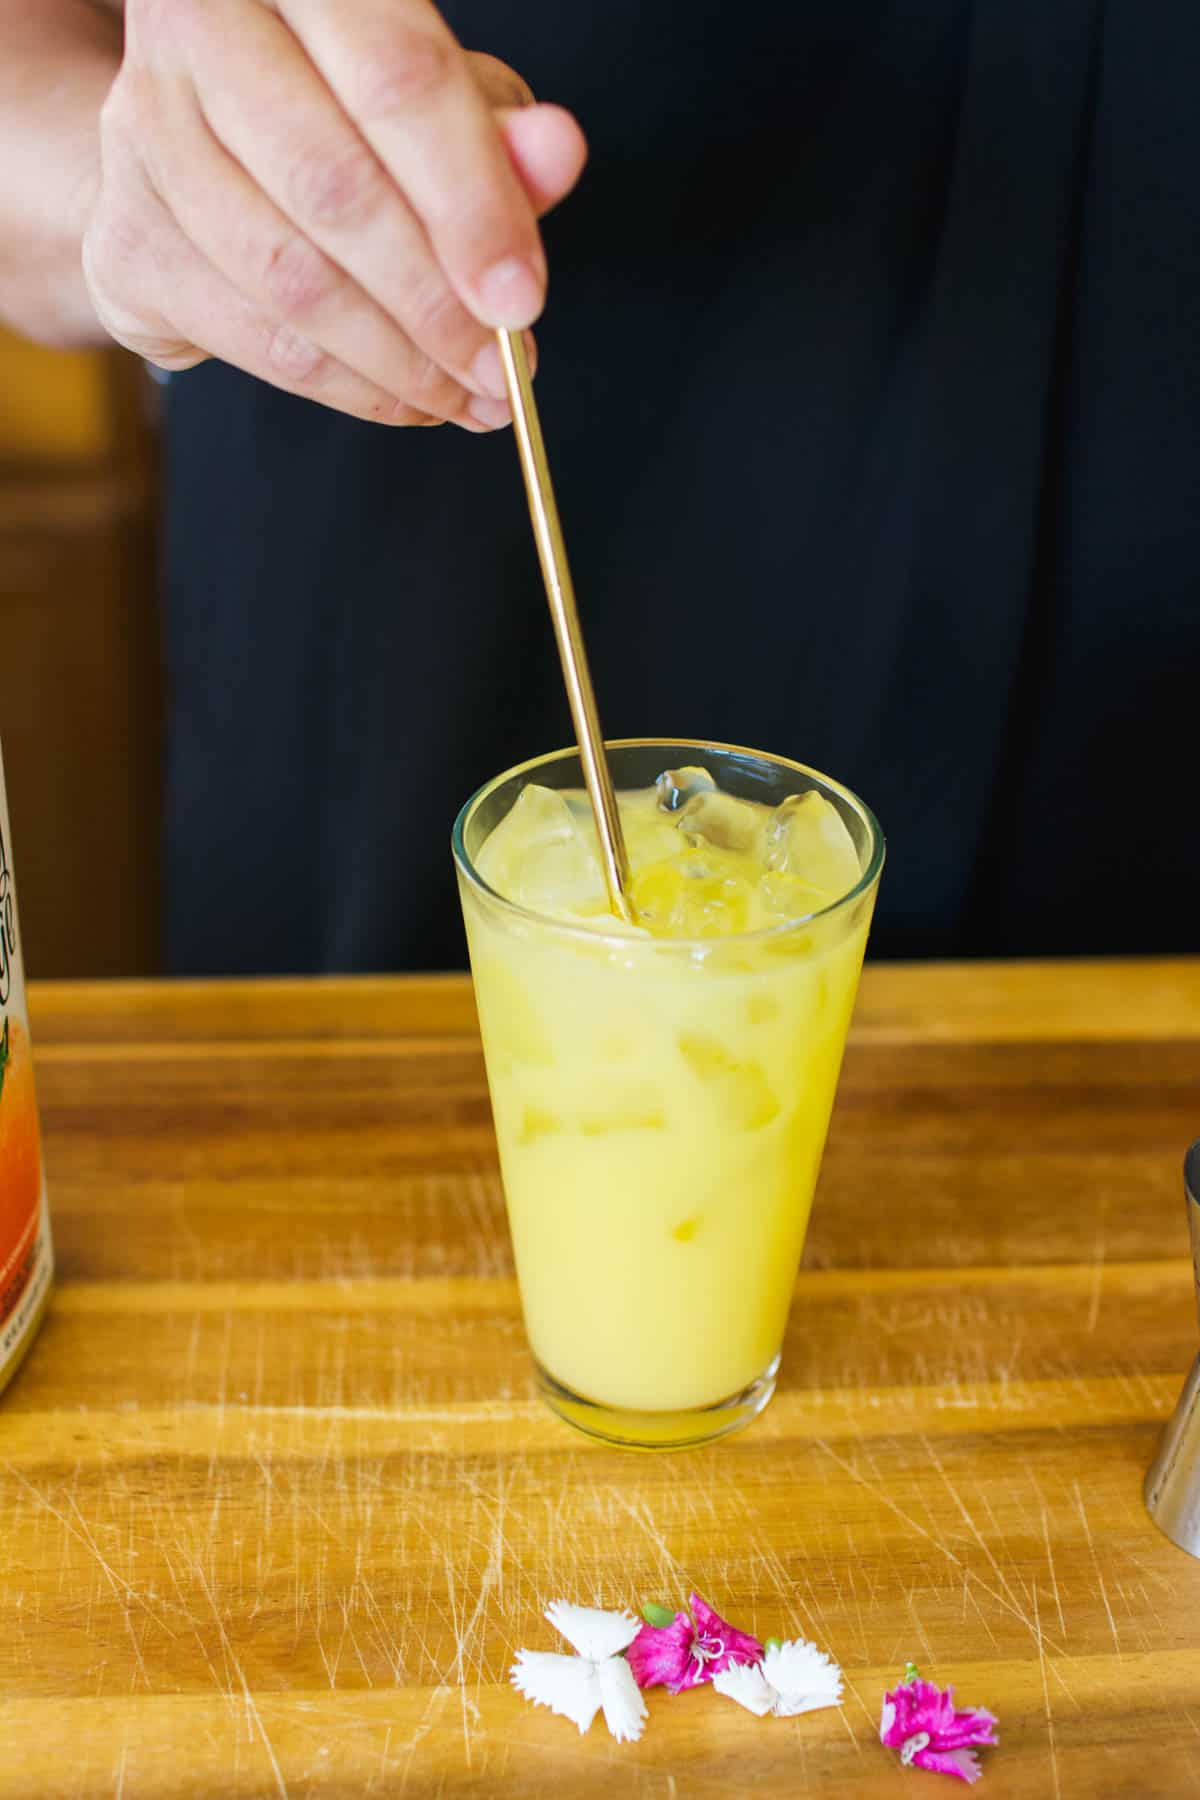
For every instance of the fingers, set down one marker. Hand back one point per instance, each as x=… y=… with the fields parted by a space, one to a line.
x=294 y=142
x=334 y=197
x=402 y=77
x=179 y=309
x=257 y=248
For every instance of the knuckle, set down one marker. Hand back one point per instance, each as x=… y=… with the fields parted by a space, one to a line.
x=155 y=18
x=297 y=280
x=400 y=412
x=114 y=251
x=413 y=68
x=433 y=390
x=437 y=314
x=335 y=186
x=165 y=31
x=294 y=358
x=436 y=318
x=113 y=111
x=487 y=231
x=124 y=113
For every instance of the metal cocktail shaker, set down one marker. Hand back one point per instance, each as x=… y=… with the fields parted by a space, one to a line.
x=1172 y=1487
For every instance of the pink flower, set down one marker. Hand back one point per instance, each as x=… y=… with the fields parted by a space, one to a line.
x=686 y=1651
x=920 y=1721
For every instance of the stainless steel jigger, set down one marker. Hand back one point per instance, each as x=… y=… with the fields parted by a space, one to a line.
x=1172 y=1487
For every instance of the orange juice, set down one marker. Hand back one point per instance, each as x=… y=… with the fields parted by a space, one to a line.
x=661 y=1091
x=26 y=1257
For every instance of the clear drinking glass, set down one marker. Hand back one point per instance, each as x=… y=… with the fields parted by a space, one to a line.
x=661 y=1107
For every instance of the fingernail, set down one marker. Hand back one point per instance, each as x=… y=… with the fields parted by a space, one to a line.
x=490 y=412
x=512 y=294
x=487 y=372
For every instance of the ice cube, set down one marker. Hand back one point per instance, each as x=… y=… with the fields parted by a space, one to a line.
x=541 y=855
x=675 y=787
x=760 y=1008
x=742 y=1094
x=706 y=1057
x=634 y=1109
x=720 y=819
x=806 y=837
x=785 y=896
x=538 y=1122
x=700 y=893
x=748 y=1098
x=537 y=816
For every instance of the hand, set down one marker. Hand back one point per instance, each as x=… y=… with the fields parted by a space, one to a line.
x=330 y=194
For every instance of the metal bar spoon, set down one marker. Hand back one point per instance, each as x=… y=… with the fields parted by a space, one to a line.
x=560 y=592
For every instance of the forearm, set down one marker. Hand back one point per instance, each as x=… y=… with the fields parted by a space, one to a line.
x=59 y=59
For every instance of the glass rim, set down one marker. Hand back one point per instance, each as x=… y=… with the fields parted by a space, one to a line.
x=763 y=933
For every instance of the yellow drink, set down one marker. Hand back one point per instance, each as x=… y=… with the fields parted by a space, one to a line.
x=661 y=1094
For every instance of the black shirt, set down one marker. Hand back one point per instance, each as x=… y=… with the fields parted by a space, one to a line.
x=871 y=383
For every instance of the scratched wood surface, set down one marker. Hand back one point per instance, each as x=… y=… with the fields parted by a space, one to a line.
x=278 y=1506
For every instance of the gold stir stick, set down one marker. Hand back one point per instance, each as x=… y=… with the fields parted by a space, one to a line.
x=552 y=554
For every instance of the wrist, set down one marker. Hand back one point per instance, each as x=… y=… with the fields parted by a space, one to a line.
x=60 y=61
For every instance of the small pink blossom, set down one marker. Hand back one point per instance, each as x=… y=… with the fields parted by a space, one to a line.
x=921 y=1722
x=689 y=1651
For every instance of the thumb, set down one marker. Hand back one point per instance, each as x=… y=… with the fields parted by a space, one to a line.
x=546 y=146
x=548 y=151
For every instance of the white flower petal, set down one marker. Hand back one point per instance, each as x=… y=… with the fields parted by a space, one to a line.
x=791 y=1678
x=568 y=1685
x=746 y=1683
x=591 y=1631
x=624 y=1708
x=803 y=1677
x=887 y=1719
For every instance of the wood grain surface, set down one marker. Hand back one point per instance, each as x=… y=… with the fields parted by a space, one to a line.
x=279 y=1506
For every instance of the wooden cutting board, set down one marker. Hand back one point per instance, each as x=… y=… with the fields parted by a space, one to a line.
x=279 y=1507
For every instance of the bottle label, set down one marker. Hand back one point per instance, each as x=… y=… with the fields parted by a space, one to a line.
x=26 y=1259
